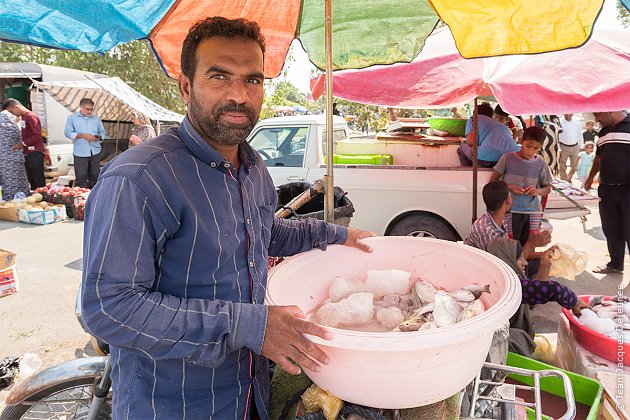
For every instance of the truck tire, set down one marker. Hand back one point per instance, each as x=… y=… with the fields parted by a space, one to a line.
x=423 y=226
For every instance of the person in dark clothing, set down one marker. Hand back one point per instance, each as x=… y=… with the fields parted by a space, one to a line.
x=611 y=161
x=590 y=134
x=32 y=143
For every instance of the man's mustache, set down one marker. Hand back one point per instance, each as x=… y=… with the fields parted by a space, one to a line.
x=234 y=107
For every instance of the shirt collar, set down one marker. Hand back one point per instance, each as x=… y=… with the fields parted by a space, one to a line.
x=497 y=227
x=208 y=154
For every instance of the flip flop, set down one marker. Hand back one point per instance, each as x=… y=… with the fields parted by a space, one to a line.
x=606 y=269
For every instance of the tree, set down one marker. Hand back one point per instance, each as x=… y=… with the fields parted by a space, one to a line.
x=623 y=14
x=134 y=62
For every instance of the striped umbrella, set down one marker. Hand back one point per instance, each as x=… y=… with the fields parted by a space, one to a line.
x=366 y=32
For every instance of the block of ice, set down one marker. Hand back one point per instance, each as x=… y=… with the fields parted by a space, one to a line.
x=356 y=309
x=387 y=282
x=390 y=317
x=341 y=288
x=390 y=300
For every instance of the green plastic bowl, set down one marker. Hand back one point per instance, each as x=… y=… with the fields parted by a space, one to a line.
x=454 y=126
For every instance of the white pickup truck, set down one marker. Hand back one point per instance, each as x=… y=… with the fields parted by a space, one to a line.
x=422 y=192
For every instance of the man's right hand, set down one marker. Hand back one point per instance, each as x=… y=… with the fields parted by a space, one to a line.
x=540 y=237
x=284 y=340
x=587 y=184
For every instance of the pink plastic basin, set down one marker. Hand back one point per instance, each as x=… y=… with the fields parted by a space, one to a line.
x=405 y=369
x=597 y=343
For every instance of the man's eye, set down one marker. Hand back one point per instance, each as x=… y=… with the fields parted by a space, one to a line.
x=255 y=81
x=218 y=76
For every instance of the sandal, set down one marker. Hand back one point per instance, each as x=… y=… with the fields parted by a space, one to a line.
x=606 y=269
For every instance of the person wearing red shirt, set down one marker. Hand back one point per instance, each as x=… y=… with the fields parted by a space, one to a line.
x=32 y=143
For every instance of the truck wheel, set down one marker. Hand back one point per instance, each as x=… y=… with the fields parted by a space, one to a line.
x=423 y=226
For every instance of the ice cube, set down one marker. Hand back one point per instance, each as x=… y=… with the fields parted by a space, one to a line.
x=341 y=288
x=387 y=282
x=390 y=300
x=357 y=308
x=390 y=317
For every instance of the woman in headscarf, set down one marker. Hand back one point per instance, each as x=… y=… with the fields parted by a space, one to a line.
x=142 y=129
x=12 y=171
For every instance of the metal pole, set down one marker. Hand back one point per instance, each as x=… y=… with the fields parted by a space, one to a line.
x=329 y=183
x=475 y=163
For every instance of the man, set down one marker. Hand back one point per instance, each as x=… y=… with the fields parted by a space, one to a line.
x=32 y=143
x=504 y=118
x=571 y=142
x=495 y=139
x=612 y=161
x=87 y=133
x=178 y=232
x=590 y=134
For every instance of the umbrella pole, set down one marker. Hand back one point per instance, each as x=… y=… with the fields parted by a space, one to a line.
x=475 y=162
x=329 y=183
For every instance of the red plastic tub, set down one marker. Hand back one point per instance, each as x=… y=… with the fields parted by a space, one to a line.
x=597 y=343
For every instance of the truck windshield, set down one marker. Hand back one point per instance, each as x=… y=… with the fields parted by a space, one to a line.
x=281 y=146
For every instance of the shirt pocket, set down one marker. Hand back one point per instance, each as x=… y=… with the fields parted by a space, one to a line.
x=266 y=214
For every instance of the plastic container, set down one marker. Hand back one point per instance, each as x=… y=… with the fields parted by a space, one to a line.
x=406 y=369
x=382 y=159
x=454 y=126
x=595 y=342
x=586 y=391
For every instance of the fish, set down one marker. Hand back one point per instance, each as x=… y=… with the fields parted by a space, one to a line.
x=462 y=296
x=422 y=293
x=477 y=290
x=425 y=309
x=446 y=309
x=475 y=308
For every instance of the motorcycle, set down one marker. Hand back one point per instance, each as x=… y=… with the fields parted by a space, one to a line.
x=78 y=389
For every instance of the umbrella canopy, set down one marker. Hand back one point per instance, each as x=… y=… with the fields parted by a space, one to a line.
x=115 y=100
x=592 y=77
x=367 y=32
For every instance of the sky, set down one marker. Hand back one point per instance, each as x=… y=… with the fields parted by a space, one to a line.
x=299 y=70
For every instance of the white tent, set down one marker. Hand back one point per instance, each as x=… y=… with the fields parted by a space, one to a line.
x=114 y=99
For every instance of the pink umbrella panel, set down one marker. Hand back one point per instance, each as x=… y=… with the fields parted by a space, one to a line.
x=593 y=77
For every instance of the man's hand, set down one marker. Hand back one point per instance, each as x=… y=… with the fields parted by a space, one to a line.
x=86 y=136
x=587 y=184
x=516 y=189
x=284 y=340
x=577 y=309
x=540 y=237
x=354 y=239
x=17 y=147
x=530 y=190
x=549 y=255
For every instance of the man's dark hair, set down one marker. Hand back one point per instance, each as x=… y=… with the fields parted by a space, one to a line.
x=534 y=133
x=499 y=111
x=216 y=26
x=10 y=103
x=485 y=108
x=86 y=101
x=494 y=194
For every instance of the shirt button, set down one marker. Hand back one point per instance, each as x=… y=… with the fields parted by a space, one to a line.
x=248 y=221
x=213 y=164
x=227 y=165
x=251 y=263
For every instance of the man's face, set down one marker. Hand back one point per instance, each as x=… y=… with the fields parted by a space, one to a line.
x=589 y=126
x=501 y=118
x=225 y=96
x=87 y=109
x=568 y=117
x=530 y=148
x=604 y=118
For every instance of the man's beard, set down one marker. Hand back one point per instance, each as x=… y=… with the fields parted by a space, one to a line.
x=212 y=128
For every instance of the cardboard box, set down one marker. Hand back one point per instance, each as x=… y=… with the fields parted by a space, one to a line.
x=9 y=213
x=8 y=273
x=43 y=217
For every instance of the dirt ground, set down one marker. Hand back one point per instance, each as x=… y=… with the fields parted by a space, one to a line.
x=40 y=318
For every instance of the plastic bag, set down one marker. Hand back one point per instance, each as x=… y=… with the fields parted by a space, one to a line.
x=29 y=364
x=19 y=197
x=568 y=263
x=315 y=398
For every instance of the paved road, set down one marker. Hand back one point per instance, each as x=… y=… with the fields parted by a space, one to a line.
x=40 y=318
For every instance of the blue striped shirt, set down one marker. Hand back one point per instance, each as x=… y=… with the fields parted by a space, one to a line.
x=79 y=123
x=175 y=267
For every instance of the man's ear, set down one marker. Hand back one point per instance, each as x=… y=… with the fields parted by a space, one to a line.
x=185 y=86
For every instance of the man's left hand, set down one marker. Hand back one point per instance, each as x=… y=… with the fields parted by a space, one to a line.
x=17 y=147
x=577 y=309
x=354 y=239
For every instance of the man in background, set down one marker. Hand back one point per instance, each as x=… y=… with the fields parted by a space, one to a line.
x=611 y=161
x=571 y=142
x=87 y=133
x=32 y=143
